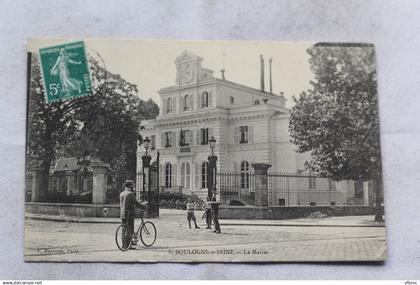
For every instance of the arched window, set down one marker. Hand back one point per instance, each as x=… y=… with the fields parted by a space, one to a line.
x=204 y=171
x=186 y=103
x=168 y=175
x=245 y=175
x=185 y=175
x=169 y=105
x=205 y=99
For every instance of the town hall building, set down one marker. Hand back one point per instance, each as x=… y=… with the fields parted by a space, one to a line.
x=250 y=126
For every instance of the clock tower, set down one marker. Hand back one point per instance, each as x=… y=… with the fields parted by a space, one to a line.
x=188 y=68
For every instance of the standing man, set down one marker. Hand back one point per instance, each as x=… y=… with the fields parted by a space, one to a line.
x=215 y=207
x=207 y=209
x=128 y=204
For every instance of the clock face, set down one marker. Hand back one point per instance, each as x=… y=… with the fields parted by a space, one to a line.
x=188 y=73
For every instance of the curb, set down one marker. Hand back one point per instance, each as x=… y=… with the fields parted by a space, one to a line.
x=107 y=221
x=303 y=225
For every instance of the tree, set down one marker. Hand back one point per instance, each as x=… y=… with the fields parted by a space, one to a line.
x=104 y=125
x=337 y=119
x=48 y=124
x=110 y=123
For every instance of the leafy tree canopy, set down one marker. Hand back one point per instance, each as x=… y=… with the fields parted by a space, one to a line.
x=104 y=125
x=337 y=119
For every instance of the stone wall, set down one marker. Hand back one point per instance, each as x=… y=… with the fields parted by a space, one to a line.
x=73 y=210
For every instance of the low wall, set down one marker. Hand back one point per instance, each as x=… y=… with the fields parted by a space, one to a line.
x=281 y=213
x=243 y=212
x=74 y=210
x=226 y=212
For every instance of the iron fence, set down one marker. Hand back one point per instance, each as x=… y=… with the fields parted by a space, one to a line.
x=284 y=189
x=236 y=188
x=289 y=189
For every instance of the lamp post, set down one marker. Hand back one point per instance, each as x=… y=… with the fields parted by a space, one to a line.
x=146 y=143
x=211 y=172
x=212 y=142
x=146 y=168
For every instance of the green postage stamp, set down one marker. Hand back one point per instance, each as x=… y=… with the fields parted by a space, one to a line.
x=65 y=71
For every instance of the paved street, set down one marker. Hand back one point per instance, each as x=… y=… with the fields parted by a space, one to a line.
x=63 y=241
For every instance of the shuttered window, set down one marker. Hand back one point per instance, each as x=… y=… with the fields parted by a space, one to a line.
x=243 y=134
x=204 y=136
x=168 y=139
x=205 y=99
x=185 y=175
x=186 y=138
x=204 y=171
x=186 y=102
x=169 y=105
x=168 y=175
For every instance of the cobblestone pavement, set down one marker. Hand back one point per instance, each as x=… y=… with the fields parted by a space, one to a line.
x=55 y=241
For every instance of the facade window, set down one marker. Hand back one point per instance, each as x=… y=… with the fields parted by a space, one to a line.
x=204 y=171
x=243 y=132
x=205 y=99
x=245 y=175
x=204 y=136
x=185 y=175
x=232 y=99
x=168 y=176
x=185 y=136
x=168 y=139
x=169 y=105
x=152 y=142
x=187 y=101
x=257 y=102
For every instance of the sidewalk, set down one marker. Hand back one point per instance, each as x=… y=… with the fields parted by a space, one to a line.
x=165 y=214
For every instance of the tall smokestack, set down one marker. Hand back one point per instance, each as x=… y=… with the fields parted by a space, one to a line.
x=262 y=72
x=271 y=82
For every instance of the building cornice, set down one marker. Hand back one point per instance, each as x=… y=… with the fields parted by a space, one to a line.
x=198 y=118
x=215 y=81
x=181 y=88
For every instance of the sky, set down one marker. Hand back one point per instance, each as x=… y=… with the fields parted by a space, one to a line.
x=151 y=64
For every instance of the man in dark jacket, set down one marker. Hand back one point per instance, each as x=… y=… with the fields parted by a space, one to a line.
x=128 y=204
x=215 y=207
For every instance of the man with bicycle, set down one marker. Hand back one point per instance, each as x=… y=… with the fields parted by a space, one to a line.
x=128 y=204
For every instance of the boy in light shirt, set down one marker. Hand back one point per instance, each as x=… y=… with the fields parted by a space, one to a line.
x=190 y=213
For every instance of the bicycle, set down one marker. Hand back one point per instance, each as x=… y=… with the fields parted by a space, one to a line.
x=124 y=238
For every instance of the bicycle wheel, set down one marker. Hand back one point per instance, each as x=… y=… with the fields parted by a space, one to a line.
x=148 y=234
x=123 y=237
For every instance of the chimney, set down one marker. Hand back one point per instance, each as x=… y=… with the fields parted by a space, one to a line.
x=223 y=73
x=271 y=82
x=262 y=72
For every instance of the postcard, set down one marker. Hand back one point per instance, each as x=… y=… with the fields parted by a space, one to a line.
x=202 y=151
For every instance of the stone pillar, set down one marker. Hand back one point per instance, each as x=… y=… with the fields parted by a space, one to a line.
x=365 y=191
x=211 y=175
x=99 y=182
x=38 y=193
x=261 y=184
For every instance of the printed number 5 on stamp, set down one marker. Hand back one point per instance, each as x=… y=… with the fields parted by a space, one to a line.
x=65 y=71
